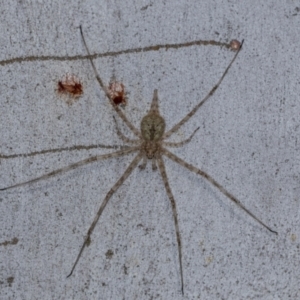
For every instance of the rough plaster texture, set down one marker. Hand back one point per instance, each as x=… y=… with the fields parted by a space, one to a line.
x=248 y=141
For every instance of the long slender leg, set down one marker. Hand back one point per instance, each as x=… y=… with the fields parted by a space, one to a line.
x=116 y=108
x=164 y=176
x=179 y=144
x=211 y=92
x=123 y=137
x=215 y=183
x=74 y=166
x=58 y=150
x=127 y=172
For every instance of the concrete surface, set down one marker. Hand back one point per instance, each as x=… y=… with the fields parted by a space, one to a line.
x=248 y=141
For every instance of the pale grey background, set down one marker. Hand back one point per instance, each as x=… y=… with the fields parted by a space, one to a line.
x=248 y=141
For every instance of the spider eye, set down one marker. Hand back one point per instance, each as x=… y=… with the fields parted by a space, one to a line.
x=152 y=127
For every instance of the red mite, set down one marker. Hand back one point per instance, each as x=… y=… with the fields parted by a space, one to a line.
x=117 y=92
x=70 y=85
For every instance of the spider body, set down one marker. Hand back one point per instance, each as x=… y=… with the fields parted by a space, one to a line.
x=152 y=129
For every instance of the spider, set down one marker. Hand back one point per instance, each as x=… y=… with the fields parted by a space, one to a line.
x=150 y=143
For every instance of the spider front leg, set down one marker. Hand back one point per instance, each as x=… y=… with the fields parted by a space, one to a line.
x=100 y=81
x=210 y=93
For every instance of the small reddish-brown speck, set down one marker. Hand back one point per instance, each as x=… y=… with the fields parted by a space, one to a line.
x=117 y=92
x=70 y=85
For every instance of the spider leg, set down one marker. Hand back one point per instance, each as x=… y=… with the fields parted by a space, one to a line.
x=123 y=137
x=58 y=150
x=143 y=165
x=190 y=167
x=74 y=166
x=154 y=166
x=125 y=175
x=179 y=144
x=211 y=92
x=116 y=108
x=164 y=176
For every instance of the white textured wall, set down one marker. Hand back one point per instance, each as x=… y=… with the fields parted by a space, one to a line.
x=248 y=141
